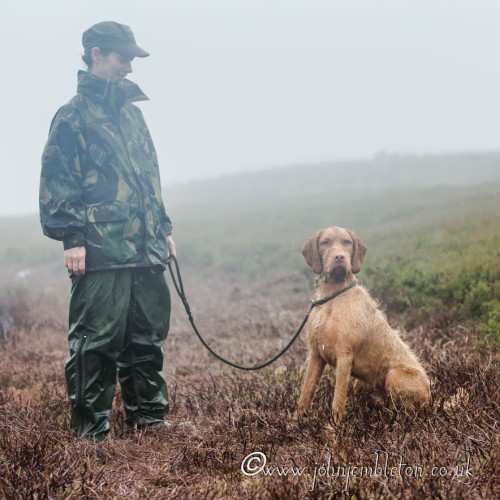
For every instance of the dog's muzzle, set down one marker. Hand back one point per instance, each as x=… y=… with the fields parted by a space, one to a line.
x=338 y=273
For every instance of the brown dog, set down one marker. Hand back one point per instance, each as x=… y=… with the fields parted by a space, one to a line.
x=351 y=333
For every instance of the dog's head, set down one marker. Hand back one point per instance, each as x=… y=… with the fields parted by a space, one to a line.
x=335 y=252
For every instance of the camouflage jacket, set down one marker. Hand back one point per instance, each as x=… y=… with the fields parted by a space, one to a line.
x=100 y=185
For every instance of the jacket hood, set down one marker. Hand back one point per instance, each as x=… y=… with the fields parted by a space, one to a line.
x=108 y=92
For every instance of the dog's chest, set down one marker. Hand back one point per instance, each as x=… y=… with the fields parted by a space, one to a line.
x=324 y=333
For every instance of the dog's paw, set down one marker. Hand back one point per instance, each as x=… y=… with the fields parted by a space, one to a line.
x=338 y=415
x=377 y=398
x=298 y=414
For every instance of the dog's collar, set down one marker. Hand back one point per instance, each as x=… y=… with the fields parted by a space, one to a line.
x=324 y=300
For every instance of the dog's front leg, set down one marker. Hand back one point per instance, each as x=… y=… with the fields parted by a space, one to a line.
x=315 y=367
x=342 y=374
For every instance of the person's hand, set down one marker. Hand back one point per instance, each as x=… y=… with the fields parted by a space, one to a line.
x=171 y=249
x=74 y=260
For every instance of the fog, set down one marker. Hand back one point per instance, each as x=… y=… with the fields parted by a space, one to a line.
x=238 y=85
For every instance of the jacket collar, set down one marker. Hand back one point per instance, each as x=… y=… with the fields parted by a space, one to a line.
x=111 y=94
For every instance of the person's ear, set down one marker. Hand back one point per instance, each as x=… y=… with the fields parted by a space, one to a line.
x=95 y=54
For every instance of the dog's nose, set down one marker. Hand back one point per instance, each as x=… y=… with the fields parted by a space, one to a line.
x=339 y=258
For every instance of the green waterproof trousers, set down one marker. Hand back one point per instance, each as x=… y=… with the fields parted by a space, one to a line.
x=118 y=323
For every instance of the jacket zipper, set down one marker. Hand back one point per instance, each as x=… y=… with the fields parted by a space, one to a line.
x=140 y=186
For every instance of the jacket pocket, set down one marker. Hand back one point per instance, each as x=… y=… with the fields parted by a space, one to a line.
x=99 y=155
x=108 y=213
x=106 y=242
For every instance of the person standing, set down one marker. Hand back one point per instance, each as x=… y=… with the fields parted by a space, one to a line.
x=100 y=194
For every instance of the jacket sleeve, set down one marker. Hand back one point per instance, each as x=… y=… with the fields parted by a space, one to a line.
x=166 y=223
x=62 y=212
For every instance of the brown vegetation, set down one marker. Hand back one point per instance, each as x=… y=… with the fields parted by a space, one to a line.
x=219 y=416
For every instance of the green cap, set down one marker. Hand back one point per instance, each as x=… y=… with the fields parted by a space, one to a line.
x=114 y=36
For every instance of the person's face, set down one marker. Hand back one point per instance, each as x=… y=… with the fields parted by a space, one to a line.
x=113 y=66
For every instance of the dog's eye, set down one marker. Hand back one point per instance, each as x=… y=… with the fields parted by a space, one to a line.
x=347 y=242
x=325 y=242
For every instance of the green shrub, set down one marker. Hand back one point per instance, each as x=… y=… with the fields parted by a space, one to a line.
x=455 y=279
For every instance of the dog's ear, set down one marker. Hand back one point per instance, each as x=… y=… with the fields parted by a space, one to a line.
x=311 y=253
x=358 y=252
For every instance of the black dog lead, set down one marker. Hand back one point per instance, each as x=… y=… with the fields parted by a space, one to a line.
x=179 y=287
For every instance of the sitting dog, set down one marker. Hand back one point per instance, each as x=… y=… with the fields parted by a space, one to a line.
x=351 y=333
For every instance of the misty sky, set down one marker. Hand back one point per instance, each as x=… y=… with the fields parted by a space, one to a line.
x=249 y=84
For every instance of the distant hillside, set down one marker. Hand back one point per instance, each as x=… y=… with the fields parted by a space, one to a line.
x=282 y=205
x=342 y=178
